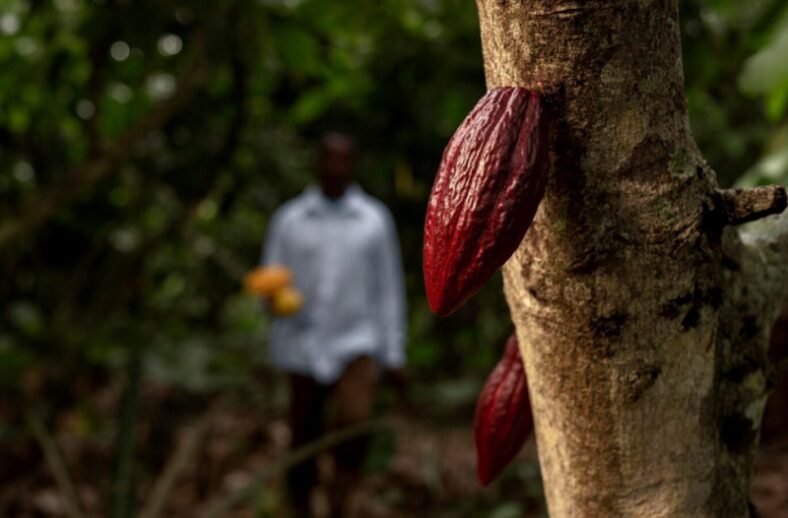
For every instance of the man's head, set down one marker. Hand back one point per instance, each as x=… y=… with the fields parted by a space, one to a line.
x=336 y=161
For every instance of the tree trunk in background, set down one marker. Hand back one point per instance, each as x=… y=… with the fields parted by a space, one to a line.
x=643 y=320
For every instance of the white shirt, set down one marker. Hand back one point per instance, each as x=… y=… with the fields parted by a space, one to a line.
x=345 y=259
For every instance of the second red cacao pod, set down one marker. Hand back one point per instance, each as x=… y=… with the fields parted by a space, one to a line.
x=503 y=420
x=489 y=184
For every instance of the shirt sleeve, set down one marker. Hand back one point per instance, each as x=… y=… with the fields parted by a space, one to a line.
x=392 y=297
x=273 y=245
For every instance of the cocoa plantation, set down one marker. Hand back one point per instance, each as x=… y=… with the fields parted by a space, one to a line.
x=393 y=258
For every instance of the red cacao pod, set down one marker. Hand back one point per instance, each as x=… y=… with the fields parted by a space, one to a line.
x=503 y=418
x=489 y=184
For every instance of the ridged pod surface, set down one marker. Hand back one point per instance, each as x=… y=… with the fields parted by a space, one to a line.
x=489 y=184
x=503 y=418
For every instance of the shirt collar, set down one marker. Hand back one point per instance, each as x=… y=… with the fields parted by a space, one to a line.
x=347 y=204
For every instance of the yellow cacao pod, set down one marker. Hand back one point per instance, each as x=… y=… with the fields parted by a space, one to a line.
x=286 y=302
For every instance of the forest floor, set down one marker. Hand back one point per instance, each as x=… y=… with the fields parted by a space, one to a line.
x=423 y=465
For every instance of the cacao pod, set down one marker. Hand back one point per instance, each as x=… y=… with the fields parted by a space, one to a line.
x=503 y=420
x=265 y=280
x=489 y=184
x=286 y=302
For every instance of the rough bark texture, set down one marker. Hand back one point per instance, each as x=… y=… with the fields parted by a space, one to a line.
x=643 y=322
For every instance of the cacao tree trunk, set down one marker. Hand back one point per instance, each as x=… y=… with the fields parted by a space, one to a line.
x=642 y=315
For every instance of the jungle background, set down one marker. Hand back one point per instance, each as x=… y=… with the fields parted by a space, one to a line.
x=144 y=145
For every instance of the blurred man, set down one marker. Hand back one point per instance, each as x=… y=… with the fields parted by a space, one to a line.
x=341 y=245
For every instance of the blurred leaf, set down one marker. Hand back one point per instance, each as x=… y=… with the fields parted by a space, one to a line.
x=507 y=510
x=298 y=49
x=767 y=70
x=771 y=169
x=26 y=317
x=13 y=360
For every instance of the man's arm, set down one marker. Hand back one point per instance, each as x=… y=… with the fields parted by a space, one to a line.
x=392 y=297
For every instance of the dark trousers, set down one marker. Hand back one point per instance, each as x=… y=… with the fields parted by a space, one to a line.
x=352 y=397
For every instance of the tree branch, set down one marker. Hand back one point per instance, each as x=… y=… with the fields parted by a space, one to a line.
x=767 y=240
x=123 y=482
x=755 y=291
x=175 y=465
x=54 y=459
x=745 y=205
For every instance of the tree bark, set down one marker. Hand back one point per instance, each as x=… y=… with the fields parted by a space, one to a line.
x=643 y=320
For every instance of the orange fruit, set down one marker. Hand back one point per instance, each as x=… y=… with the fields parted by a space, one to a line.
x=265 y=280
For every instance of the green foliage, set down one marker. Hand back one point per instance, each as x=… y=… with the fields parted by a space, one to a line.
x=202 y=119
x=765 y=75
x=735 y=83
x=157 y=241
